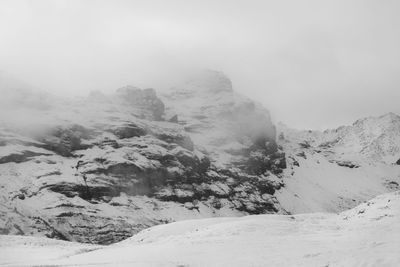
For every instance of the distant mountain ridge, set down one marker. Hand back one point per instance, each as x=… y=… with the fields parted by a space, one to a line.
x=373 y=139
x=339 y=168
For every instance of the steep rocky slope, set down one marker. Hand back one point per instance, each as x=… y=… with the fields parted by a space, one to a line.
x=101 y=168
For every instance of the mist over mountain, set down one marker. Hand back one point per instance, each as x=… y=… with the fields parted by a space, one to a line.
x=311 y=69
x=209 y=133
x=126 y=161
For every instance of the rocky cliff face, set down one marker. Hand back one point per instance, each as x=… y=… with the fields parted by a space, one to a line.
x=100 y=169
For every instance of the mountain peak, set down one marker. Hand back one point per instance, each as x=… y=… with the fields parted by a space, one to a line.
x=387 y=118
x=210 y=80
x=391 y=116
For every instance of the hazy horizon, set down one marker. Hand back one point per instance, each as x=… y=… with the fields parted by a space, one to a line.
x=313 y=64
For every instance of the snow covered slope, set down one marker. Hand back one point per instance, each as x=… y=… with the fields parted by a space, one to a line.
x=368 y=235
x=100 y=169
x=337 y=169
x=371 y=140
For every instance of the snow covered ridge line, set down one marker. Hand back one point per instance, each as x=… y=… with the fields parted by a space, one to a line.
x=372 y=139
x=368 y=235
x=337 y=169
x=102 y=168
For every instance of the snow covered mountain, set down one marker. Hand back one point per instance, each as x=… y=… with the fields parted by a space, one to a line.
x=337 y=169
x=372 y=139
x=100 y=169
x=368 y=235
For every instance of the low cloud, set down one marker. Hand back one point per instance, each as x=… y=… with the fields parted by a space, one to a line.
x=313 y=64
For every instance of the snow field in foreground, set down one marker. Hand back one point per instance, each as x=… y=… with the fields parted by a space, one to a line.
x=368 y=235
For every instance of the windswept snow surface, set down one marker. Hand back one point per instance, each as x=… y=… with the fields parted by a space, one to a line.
x=368 y=235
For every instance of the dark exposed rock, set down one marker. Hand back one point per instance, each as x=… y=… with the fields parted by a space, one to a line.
x=180 y=139
x=260 y=159
x=392 y=185
x=57 y=172
x=107 y=142
x=129 y=130
x=398 y=162
x=258 y=163
x=302 y=154
x=87 y=228
x=176 y=195
x=190 y=161
x=63 y=140
x=329 y=144
x=215 y=187
x=348 y=164
x=85 y=192
x=20 y=157
x=146 y=99
x=305 y=144
x=294 y=161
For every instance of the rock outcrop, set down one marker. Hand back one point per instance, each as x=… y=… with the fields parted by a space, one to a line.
x=103 y=168
x=144 y=99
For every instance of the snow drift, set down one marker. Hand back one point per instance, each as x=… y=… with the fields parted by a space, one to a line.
x=368 y=235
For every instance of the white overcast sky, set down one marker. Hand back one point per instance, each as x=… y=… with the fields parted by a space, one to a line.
x=313 y=64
